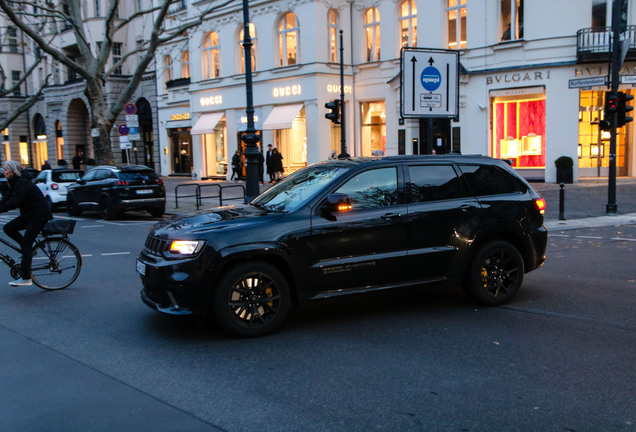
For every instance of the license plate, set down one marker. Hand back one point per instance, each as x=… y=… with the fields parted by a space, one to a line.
x=144 y=191
x=141 y=268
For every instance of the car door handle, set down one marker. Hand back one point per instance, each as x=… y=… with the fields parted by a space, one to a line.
x=391 y=216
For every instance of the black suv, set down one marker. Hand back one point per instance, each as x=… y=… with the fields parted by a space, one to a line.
x=348 y=226
x=112 y=190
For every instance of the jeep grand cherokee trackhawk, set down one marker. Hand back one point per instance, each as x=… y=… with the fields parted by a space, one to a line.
x=348 y=226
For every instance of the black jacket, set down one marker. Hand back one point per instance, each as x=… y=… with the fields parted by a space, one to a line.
x=26 y=196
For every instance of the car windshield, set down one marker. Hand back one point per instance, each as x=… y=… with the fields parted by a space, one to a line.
x=298 y=188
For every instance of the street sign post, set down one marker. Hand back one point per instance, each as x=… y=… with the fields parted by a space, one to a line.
x=587 y=82
x=429 y=83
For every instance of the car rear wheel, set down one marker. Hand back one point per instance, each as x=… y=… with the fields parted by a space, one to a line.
x=107 y=209
x=495 y=274
x=251 y=299
x=157 y=212
x=71 y=207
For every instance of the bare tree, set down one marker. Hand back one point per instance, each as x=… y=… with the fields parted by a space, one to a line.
x=91 y=63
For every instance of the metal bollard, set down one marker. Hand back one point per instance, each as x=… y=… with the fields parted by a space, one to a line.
x=561 y=201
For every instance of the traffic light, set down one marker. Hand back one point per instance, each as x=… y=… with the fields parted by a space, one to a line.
x=611 y=103
x=334 y=111
x=623 y=108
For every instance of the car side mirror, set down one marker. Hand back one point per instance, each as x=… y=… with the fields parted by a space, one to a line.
x=80 y=181
x=336 y=203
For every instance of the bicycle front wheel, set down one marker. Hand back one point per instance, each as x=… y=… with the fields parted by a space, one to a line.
x=56 y=263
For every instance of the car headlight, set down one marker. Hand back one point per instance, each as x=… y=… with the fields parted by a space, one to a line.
x=186 y=247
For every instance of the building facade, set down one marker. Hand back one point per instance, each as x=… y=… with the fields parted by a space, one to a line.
x=58 y=127
x=516 y=61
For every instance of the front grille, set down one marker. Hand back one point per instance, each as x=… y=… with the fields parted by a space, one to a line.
x=155 y=245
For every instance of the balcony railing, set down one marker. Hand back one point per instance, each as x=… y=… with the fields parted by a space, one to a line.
x=593 y=44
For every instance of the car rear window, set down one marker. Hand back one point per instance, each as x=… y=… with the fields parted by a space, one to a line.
x=137 y=175
x=490 y=180
x=65 y=176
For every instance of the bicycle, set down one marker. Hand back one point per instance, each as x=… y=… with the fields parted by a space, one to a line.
x=56 y=261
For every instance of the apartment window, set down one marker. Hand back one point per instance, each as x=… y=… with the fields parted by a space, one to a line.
x=15 y=79
x=599 y=13
x=253 y=50
x=372 y=31
x=185 y=64
x=287 y=40
x=332 y=33
x=210 y=60
x=117 y=57
x=511 y=12
x=98 y=8
x=12 y=39
x=408 y=24
x=456 y=12
x=167 y=69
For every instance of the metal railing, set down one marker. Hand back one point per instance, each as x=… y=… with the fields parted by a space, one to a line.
x=199 y=196
x=594 y=42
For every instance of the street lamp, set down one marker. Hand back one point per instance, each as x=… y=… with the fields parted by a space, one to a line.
x=250 y=138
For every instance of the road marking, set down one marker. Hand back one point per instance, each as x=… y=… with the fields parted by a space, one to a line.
x=116 y=253
x=589 y=237
x=623 y=239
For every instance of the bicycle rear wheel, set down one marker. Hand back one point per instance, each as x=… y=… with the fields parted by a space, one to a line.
x=56 y=263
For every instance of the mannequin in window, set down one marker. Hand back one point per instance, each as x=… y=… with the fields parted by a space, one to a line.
x=506 y=34
x=291 y=59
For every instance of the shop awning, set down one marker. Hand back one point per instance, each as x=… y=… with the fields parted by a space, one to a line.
x=206 y=123
x=281 y=117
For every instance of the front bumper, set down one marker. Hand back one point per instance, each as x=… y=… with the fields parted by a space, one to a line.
x=173 y=309
x=144 y=203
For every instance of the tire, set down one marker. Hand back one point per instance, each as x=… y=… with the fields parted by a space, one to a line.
x=251 y=299
x=71 y=207
x=157 y=212
x=495 y=274
x=56 y=264
x=50 y=203
x=107 y=209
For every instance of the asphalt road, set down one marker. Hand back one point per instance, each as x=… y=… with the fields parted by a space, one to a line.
x=562 y=356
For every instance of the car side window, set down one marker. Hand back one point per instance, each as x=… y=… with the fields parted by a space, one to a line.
x=90 y=176
x=102 y=174
x=488 y=180
x=432 y=183
x=41 y=178
x=372 y=189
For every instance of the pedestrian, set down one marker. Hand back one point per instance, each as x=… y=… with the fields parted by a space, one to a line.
x=77 y=160
x=260 y=159
x=277 y=165
x=333 y=155
x=268 y=162
x=236 y=165
x=34 y=214
x=45 y=165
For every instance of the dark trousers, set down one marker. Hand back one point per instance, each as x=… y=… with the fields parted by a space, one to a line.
x=31 y=231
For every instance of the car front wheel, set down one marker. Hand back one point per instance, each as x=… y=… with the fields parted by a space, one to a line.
x=495 y=274
x=71 y=207
x=251 y=299
x=107 y=210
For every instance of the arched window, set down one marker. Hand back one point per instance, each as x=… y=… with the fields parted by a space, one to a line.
x=167 y=69
x=332 y=33
x=408 y=24
x=210 y=56
x=372 y=30
x=185 y=64
x=253 y=50
x=287 y=40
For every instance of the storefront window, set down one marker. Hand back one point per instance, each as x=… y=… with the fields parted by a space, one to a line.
x=373 y=128
x=24 y=152
x=519 y=129
x=292 y=143
x=214 y=145
x=593 y=149
x=181 y=150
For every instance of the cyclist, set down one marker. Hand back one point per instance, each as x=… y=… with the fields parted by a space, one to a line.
x=34 y=214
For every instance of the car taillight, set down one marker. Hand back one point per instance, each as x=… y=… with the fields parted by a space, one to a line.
x=54 y=186
x=159 y=181
x=539 y=204
x=122 y=183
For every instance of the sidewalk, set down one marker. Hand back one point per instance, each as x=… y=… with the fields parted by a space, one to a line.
x=584 y=204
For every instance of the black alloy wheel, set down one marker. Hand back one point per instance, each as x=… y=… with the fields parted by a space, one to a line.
x=251 y=299
x=107 y=210
x=496 y=274
x=71 y=207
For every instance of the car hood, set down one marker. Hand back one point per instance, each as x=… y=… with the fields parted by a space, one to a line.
x=233 y=216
